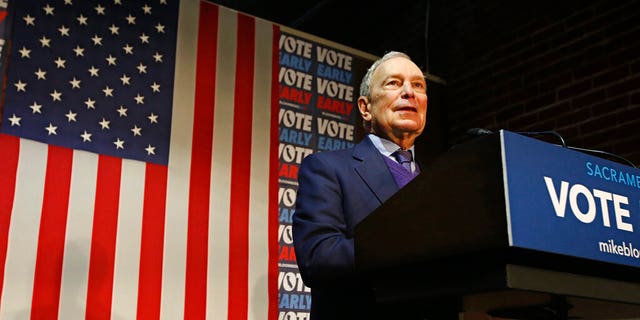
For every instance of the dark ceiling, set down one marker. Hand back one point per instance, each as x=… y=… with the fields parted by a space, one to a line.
x=437 y=34
x=371 y=26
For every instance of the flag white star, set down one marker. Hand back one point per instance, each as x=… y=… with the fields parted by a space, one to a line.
x=146 y=9
x=157 y=57
x=24 y=52
x=86 y=136
x=131 y=19
x=79 y=51
x=82 y=20
x=108 y=92
x=104 y=123
x=137 y=131
x=21 y=86
x=51 y=129
x=15 y=120
x=60 y=63
x=150 y=150
x=100 y=10
x=141 y=68
x=69 y=2
x=119 y=143
x=35 y=108
x=91 y=104
x=94 y=71
x=144 y=38
x=64 y=31
x=41 y=74
x=111 y=60
x=45 y=42
x=114 y=29
x=97 y=41
x=75 y=83
x=29 y=20
x=159 y=28
x=117 y=2
x=71 y=116
x=56 y=96
x=122 y=111
x=48 y=10
x=155 y=87
x=128 y=49
x=125 y=80
x=139 y=99
x=153 y=118
x=163 y=1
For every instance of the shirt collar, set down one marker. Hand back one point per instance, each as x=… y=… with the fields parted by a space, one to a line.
x=386 y=147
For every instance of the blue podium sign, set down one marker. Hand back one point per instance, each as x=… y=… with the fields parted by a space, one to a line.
x=563 y=201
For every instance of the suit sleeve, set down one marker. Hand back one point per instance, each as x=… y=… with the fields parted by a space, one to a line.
x=323 y=250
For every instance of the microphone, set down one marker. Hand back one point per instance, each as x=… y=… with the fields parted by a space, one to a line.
x=478 y=132
x=537 y=133
x=481 y=132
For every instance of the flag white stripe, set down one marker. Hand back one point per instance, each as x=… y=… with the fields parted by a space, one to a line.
x=220 y=206
x=259 y=199
x=77 y=248
x=26 y=213
x=175 y=239
x=23 y=232
x=128 y=237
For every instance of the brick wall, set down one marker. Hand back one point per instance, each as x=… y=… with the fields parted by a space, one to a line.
x=568 y=66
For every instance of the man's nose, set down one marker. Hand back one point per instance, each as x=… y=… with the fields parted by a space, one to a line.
x=407 y=90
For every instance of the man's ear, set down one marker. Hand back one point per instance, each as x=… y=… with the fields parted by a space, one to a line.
x=363 y=106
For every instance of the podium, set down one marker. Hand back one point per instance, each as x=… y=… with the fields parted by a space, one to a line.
x=511 y=226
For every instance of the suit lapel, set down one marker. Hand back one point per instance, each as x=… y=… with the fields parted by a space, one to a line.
x=373 y=170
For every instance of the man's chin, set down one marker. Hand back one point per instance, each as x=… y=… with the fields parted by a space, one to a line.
x=408 y=132
x=409 y=126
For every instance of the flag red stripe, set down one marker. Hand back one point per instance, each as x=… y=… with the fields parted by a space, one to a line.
x=10 y=147
x=201 y=154
x=103 y=238
x=53 y=223
x=241 y=170
x=153 y=219
x=273 y=179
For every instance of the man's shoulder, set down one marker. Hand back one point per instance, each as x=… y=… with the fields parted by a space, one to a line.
x=342 y=153
x=330 y=155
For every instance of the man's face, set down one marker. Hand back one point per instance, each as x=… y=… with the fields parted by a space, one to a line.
x=398 y=105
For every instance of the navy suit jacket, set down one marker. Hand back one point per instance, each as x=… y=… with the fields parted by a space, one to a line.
x=336 y=191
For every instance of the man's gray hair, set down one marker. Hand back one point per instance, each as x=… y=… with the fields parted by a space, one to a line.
x=365 y=85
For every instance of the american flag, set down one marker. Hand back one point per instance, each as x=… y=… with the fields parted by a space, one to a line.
x=139 y=166
x=94 y=77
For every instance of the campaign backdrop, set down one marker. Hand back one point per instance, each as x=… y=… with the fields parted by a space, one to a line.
x=571 y=203
x=319 y=87
x=150 y=154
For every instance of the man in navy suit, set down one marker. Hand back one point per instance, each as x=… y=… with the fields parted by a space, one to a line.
x=338 y=189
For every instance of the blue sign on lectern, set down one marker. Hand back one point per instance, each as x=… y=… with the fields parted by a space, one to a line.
x=563 y=201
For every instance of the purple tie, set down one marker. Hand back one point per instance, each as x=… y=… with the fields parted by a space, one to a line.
x=404 y=157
